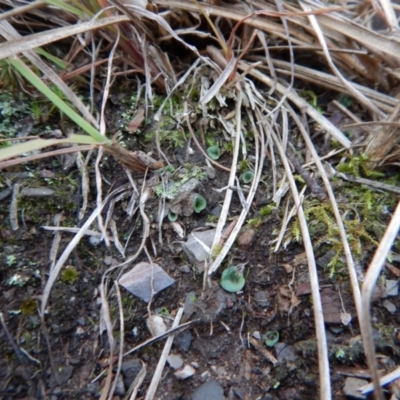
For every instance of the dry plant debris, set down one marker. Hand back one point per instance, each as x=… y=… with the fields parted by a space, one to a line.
x=302 y=96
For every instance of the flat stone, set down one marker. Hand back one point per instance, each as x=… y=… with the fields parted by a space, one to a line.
x=120 y=387
x=351 y=386
x=389 y=306
x=130 y=369
x=257 y=335
x=156 y=325
x=285 y=353
x=183 y=340
x=175 y=361
x=198 y=246
x=209 y=390
x=185 y=373
x=185 y=269
x=262 y=298
x=391 y=287
x=145 y=280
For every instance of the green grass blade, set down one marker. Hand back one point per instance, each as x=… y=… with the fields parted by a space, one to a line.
x=67 y=7
x=29 y=75
x=37 y=144
x=55 y=60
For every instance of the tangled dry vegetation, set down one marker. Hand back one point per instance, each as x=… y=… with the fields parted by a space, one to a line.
x=268 y=68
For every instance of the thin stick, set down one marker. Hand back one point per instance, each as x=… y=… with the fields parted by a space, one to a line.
x=369 y=283
x=161 y=363
x=323 y=360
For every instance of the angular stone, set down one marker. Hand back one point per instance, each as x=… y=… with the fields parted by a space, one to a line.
x=175 y=361
x=145 y=280
x=198 y=246
x=351 y=387
x=185 y=373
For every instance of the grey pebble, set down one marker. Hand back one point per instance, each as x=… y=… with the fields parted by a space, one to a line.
x=37 y=192
x=183 y=340
x=175 y=361
x=210 y=390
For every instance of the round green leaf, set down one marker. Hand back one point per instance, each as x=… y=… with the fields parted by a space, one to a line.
x=247 y=176
x=172 y=216
x=271 y=338
x=232 y=280
x=213 y=152
x=199 y=203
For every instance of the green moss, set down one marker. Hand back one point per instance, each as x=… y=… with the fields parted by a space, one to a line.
x=69 y=275
x=29 y=307
x=364 y=216
x=358 y=166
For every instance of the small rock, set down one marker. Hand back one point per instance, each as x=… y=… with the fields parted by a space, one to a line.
x=94 y=388
x=108 y=260
x=156 y=325
x=257 y=335
x=324 y=260
x=389 y=306
x=145 y=280
x=185 y=269
x=175 y=361
x=261 y=297
x=210 y=172
x=205 y=376
x=130 y=370
x=351 y=385
x=216 y=211
x=94 y=240
x=80 y=330
x=120 y=387
x=220 y=371
x=185 y=373
x=209 y=390
x=391 y=287
x=46 y=173
x=285 y=353
x=311 y=379
x=198 y=246
x=183 y=340
x=246 y=238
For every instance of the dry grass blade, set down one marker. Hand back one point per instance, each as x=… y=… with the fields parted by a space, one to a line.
x=163 y=358
x=23 y=44
x=371 y=278
x=390 y=14
x=301 y=104
x=330 y=82
x=323 y=360
x=359 y=96
x=374 y=41
x=384 y=141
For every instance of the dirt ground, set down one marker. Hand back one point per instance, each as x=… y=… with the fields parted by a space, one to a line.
x=68 y=357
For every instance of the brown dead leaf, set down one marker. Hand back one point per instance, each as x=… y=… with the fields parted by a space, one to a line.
x=288 y=267
x=137 y=120
x=395 y=271
x=283 y=300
